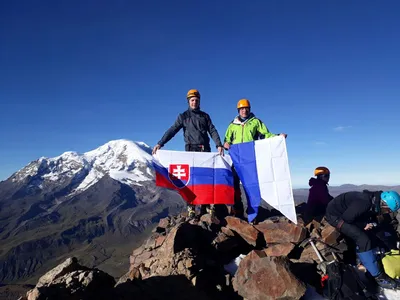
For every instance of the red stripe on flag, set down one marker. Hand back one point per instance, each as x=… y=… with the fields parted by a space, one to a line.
x=213 y=194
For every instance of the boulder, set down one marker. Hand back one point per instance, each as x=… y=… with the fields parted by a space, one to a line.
x=329 y=234
x=309 y=255
x=243 y=229
x=163 y=223
x=225 y=243
x=279 y=249
x=282 y=232
x=227 y=231
x=70 y=280
x=69 y=265
x=260 y=277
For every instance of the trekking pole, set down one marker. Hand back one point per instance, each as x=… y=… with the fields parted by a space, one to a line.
x=322 y=265
x=334 y=256
x=316 y=250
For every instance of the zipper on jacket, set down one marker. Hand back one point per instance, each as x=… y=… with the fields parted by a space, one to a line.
x=242 y=131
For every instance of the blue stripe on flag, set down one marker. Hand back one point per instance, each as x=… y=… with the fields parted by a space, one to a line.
x=211 y=176
x=203 y=175
x=244 y=161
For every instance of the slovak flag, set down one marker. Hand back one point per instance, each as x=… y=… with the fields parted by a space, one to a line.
x=199 y=177
x=263 y=169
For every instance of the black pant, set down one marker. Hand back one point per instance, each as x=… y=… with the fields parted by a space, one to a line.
x=238 y=204
x=357 y=234
x=197 y=148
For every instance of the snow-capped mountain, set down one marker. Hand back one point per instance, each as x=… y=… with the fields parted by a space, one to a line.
x=95 y=205
x=123 y=160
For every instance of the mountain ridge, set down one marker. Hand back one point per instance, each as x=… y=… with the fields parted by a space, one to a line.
x=98 y=205
x=44 y=215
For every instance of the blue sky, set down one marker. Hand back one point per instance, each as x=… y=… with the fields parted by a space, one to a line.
x=76 y=74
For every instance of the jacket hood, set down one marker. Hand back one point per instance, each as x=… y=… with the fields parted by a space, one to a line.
x=237 y=120
x=375 y=197
x=315 y=181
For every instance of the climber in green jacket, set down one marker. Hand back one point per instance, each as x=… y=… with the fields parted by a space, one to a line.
x=244 y=128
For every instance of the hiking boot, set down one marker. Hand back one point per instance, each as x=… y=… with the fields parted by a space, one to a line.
x=191 y=211
x=384 y=281
x=211 y=211
x=254 y=222
x=237 y=213
x=203 y=210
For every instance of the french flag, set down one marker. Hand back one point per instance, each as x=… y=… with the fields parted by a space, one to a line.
x=263 y=169
x=199 y=177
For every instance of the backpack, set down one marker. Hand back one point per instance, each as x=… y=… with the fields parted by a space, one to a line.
x=343 y=283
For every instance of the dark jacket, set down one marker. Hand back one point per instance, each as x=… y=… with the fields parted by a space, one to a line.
x=318 y=197
x=358 y=208
x=196 y=125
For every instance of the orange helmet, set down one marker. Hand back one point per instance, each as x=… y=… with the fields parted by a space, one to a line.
x=193 y=93
x=243 y=103
x=321 y=171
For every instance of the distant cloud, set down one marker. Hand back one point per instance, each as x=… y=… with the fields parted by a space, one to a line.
x=341 y=128
x=320 y=143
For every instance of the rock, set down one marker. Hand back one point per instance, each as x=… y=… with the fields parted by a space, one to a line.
x=262 y=277
x=141 y=258
x=163 y=224
x=190 y=256
x=160 y=240
x=224 y=243
x=244 y=229
x=133 y=274
x=227 y=231
x=174 y=256
x=309 y=255
x=315 y=233
x=181 y=263
x=276 y=233
x=150 y=243
x=69 y=265
x=169 y=242
x=279 y=249
x=300 y=221
x=138 y=251
x=33 y=294
x=324 y=222
x=209 y=220
x=330 y=235
x=70 y=280
x=313 y=225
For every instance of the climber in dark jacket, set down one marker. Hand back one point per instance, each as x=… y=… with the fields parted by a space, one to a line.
x=318 y=197
x=354 y=215
x=196 y=125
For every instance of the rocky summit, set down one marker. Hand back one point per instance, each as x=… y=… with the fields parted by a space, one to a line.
x=207 y=258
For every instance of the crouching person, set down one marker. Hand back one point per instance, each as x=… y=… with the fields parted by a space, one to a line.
x=352 y=214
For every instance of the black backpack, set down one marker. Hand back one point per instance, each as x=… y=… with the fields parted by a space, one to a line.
x=343 y=283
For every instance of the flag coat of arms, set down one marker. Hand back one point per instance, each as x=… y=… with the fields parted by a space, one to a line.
x=199 y=177
x=263 y=169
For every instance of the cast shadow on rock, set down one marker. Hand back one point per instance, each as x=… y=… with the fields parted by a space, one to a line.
x=169 y=287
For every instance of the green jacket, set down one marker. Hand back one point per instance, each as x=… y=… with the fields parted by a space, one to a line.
x=247 y=131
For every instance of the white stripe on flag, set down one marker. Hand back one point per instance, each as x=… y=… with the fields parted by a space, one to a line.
x=274 y=175
x=194 y=159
